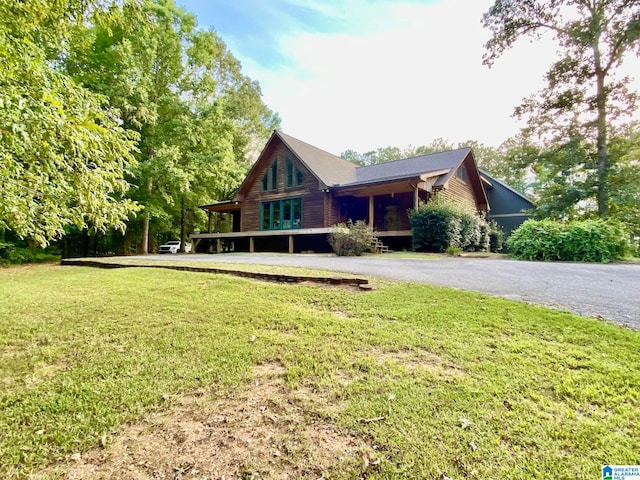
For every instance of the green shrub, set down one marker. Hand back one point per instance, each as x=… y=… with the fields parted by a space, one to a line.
x=577 y=241
x=434 y=230
x=10 y=254
x=351 y=239
x=469 y=231
x=496 y=237
x=453 y=251
x=441 y=224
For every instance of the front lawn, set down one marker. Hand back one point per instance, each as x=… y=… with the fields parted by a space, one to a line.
x=418 y=381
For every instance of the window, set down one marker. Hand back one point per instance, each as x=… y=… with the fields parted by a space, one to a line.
x=270 y=178
x=462 y=173
x=281 y=214
x=295 y=177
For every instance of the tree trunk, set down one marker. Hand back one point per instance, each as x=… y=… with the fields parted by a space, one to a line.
x=182 y=226
x=145 y=226
x=65 y=246
x=86 y=239
x=603 y=166
x=144 y=248
x=601 y=141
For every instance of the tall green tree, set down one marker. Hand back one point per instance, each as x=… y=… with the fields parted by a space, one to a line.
x=584 y=92
x=198 y=117
x=561 y=177
x=625 y=177
x=63 y=152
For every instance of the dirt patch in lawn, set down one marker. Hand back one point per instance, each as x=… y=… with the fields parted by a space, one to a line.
x=424 y=360
x=262 y=431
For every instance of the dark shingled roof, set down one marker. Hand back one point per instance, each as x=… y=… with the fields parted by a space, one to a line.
x=412 y=167
x=491 y=179
x=328 y=168
x=334 y=171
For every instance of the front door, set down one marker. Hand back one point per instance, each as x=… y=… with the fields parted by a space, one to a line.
x=391 y=219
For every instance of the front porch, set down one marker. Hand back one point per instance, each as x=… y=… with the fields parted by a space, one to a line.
x=385 y=206
x=291 y=241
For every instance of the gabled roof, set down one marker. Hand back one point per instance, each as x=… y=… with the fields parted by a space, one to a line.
x=328 y=168
x=491 y=179
x=335 y=172
x=412 y=167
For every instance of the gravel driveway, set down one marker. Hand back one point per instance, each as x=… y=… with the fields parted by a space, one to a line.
x=611 y=291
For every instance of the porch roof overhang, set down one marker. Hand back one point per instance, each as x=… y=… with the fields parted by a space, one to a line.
x=222 y=207
x=388 y=185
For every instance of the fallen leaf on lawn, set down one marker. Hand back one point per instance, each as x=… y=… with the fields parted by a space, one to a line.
x=465 y=423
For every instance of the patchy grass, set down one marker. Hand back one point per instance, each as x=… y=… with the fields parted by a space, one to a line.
x=416 y=255
x=415 y=381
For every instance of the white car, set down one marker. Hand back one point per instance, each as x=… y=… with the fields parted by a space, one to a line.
x=173 y=246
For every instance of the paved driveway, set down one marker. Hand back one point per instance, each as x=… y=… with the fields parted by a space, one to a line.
x=611 y=291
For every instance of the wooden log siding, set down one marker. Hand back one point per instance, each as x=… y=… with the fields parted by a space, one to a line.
x=313 y=204
x=460 y=192
x=332 y=209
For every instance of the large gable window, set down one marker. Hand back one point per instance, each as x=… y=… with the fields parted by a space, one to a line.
x=270 y=178
x=294 y=177
x=281 y=214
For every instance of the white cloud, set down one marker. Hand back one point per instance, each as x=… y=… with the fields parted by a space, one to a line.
x=412 y=72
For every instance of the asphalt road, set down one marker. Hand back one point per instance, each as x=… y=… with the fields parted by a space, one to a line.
x=610 y=291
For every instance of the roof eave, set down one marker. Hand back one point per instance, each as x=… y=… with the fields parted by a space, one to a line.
x=398 y=178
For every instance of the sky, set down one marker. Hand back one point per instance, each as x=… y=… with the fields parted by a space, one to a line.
x=364 y=74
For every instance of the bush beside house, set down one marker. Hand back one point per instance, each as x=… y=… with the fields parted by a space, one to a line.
x=351 y=239
x=442 y=225
x=577 y=241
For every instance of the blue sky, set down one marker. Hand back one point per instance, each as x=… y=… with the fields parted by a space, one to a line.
x=255 y=27
x=363 y=74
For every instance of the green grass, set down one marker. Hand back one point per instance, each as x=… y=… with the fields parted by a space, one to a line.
x=470 y=385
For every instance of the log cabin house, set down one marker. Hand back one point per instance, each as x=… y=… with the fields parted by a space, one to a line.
x=295 y=193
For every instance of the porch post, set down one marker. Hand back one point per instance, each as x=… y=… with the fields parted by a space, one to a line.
x=218 y=245
x=209 y=216
x=251 y=245
x=416 y=197
x=290 y=243
x=371 y=211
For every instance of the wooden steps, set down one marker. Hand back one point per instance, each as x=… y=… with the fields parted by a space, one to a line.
x=378 y=247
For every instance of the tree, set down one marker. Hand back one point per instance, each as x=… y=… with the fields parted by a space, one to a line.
x=583 y=92
x=373 y=157
x=199 y=118
x=63 y=152
x=564 y=185
x=625 y=177
x=389 y=154
x=562 y=177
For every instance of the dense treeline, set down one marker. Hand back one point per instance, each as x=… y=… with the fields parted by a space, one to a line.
x=118 y=118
